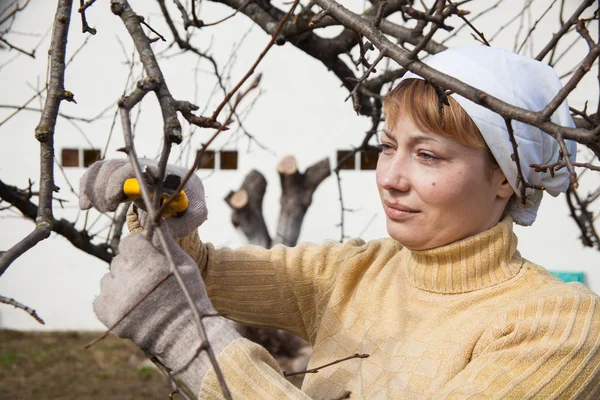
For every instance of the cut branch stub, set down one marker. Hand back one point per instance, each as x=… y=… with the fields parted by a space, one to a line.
x=287 y=165
x=238 y=199
x=247 y=214
x=296 y=196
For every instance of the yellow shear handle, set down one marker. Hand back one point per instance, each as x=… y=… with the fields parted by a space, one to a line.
x=176 y=208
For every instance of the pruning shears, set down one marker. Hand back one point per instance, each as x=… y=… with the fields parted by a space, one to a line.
x=176 y=208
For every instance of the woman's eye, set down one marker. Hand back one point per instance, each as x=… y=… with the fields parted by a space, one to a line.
x=385 y=148
x=427 y=156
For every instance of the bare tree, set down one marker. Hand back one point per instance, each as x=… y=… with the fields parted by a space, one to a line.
x=374 y=48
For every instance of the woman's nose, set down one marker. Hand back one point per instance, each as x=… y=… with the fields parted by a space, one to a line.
x=394 y=176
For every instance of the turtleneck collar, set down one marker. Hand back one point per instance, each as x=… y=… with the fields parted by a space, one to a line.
x=473 y=263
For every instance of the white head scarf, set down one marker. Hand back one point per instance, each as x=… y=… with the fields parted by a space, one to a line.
x=522 y=82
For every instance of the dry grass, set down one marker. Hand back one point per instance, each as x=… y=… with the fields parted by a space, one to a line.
x=54 y=365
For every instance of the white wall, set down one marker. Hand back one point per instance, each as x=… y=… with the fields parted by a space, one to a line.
x=301 y=110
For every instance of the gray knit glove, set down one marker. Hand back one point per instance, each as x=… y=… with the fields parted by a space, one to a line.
x=102 y=187
x=163 y=323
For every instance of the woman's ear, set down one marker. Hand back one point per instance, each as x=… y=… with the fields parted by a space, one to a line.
x=503 y=189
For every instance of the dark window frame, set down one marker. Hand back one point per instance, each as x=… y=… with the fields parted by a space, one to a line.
x=90 y=156
x=348 y=164
x=208 y=160
x=228 y=160
x=368 y=160
x=69 y=155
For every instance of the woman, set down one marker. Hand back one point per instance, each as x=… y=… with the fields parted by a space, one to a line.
x=445 y=308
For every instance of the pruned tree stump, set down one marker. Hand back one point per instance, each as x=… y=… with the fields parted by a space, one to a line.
x=246 y=204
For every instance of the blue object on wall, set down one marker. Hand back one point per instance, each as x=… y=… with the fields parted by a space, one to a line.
x=569 y=276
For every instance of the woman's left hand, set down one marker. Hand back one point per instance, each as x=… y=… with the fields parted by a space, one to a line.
x=162 y=323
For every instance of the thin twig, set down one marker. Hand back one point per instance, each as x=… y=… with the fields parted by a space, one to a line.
x=566 y=158
x=583 y=69
x=482 y=13
x=346 y=394
x=443 y=13
x=584 y=220
x=379 y=16
x=522 y=184
x=129 y=310
x=564 y=29
x=118 y=223
x=229 y=16
x=368 y=72
x=166 y=371
x=84 y=24
x=585 y=33
x=200 y=153
x=461 y=15
x=197 y=22
x=13 y=12
x=533 y=28
x=20 y=50
x=161 y=37
x=86 y=5
x=274 y=37
x=341 y=198
x=561 y=164
x=30 y=311
x=316 y=369
x=437 y=20
x=199 y=349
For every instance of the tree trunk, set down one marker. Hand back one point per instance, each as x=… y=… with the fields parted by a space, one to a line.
x=296 y=196
x=246 y=205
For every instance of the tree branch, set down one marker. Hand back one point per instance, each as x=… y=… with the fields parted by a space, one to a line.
x=44 y=133
x=564 y=29
x=246 y=205
x=30 y=311
x=79 y=239
x=591 y=138
x=152 y=213
x=317 y=369
x=258 y=60
x=296 y=196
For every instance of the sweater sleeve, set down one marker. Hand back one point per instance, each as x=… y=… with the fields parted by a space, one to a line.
x=549 y=348
x=283 y=287
x=251 y=373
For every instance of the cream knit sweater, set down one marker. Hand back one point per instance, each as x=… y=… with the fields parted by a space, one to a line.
x=471 y=319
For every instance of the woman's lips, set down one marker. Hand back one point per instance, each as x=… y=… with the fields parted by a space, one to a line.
x=399 y=211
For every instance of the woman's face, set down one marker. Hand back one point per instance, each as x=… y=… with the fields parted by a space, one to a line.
x=434 y=189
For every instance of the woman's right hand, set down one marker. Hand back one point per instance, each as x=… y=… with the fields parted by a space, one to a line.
x=101 y=187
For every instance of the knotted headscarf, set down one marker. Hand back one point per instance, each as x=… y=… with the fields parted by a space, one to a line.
x=522 y=82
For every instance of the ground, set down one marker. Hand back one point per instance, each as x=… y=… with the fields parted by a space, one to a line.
x=55 y=366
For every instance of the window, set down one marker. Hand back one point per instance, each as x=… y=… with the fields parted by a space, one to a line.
x=346 y=159
x=70 y=157
x=229 y=159
x=90 y=157
x=368 y=159
x=225 y=160
x=207 y=161
x=79 y=157
x=365 y=160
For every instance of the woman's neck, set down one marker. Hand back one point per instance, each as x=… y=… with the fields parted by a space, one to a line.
x=474 y=263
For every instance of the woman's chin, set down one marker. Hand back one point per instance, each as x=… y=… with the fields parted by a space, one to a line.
x=408 y=236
